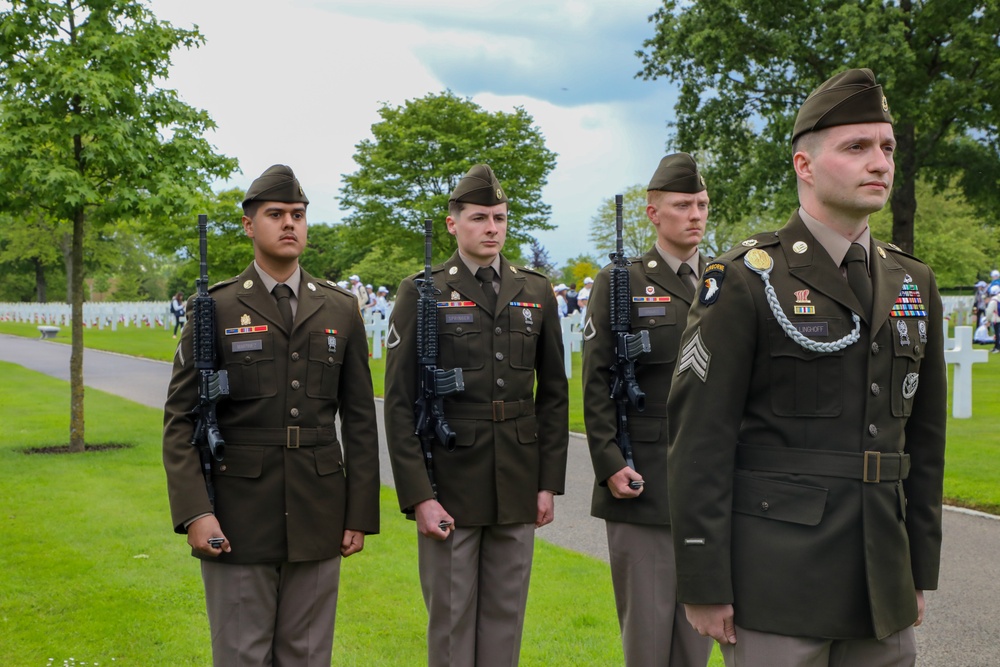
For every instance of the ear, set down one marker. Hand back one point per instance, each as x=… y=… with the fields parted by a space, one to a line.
x=802 y=162
x=449 y=222
x=651 y=214
x=247 y=226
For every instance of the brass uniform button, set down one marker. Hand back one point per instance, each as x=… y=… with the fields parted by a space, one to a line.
x=295 y=384
x=294 y=412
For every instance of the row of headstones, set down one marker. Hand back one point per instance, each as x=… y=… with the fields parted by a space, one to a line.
x=959 y=351
x=95 y=314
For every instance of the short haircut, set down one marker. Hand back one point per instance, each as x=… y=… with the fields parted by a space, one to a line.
x=250 y=208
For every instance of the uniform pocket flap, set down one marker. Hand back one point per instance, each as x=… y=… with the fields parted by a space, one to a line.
x=328 y=459
x=642 y=429
x=465 y=431
x=781 y=501
x=527 y=429
x=241 y=461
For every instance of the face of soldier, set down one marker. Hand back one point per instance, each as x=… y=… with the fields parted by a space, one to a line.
x=278 y=231
x=480 y=231
x=848 y=170
x=679 y=219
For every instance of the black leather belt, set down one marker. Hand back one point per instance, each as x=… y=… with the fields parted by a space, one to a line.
x=292 y=437
x=497 y=411
x=869 y=467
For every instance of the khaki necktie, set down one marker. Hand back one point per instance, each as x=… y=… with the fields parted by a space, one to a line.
x=858 y=278
x=685 y=272
x=485 y=276
x=283 y=294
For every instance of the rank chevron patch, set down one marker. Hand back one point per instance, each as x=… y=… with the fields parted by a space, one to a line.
x=695 y=357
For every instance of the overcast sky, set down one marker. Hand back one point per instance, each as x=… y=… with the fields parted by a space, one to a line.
x=299 y=82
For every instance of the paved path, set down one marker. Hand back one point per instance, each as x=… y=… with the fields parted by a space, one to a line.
x=961 y=625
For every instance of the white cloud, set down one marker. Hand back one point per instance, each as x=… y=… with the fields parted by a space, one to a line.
x=301 y=82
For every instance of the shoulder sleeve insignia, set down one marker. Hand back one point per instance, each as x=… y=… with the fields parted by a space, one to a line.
x=711 y=283
x=695 y=357
x=391 y=337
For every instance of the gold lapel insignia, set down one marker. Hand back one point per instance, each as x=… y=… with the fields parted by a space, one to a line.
x=881 y=252
x=652 y=264
x=800 y=247
x=312 y=288
x=453 y=270
x=247 y=284
x=513 y=269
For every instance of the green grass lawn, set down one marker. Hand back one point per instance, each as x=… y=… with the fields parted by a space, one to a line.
x=92 y=570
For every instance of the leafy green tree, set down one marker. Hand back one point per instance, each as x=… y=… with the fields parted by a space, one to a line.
x=386 y=265
x=745 y=67
x=86 y=134
x=26 y=249
x=638 y=233
x=951 y=236
x=416 y=157
x=578 y=268
x=538 y=258
x=332 y=250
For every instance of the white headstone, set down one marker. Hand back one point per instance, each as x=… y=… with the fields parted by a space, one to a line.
x=963 y=355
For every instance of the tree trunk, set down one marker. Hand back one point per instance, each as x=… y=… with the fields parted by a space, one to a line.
x=41 y=291
x=76 y=439
x=904 y=190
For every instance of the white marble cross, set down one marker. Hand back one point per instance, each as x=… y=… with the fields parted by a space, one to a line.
x=959 y=351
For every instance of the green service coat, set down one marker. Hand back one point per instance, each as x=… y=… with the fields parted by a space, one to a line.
x=649 y=277
x=277 y=504
x=797 y=548
x=497 y=468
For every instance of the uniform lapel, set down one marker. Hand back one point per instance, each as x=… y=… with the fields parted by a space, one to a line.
x=814 y=266
x=310 y=300
x=511 y=283
x=457 y=278
x=252 y=294
x=887 y=281
x=658 y=272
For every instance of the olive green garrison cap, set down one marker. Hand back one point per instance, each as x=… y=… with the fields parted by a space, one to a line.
x=677 y=173
x=277 y=183
x=847 y=98
x=479 y=186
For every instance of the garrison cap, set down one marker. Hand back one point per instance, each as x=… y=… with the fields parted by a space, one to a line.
x=847 y=98
x=479 y=186
x=277 y=183
x=677 y=173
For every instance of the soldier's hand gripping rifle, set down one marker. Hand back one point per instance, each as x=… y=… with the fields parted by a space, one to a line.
x=212 y=384
x=628 y=346
x=434 y=383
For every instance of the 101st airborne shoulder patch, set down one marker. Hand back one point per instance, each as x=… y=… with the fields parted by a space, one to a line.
x=711 y=283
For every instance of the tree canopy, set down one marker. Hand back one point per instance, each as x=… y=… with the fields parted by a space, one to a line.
x=86 y=134
x=417 y=155
x=745 y=66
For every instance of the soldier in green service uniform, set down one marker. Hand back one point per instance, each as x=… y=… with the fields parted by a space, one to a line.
x=291 y=498
x=499 y=324
x=807 y=418
x=662 y=282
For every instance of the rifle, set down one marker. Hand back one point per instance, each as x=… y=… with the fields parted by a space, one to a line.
x=434 y=383
x=628 y=346
x=212 y=384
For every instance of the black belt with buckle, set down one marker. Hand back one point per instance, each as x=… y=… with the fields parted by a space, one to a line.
x=870 y=467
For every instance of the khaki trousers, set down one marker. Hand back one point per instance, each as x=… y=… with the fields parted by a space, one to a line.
x=475 y=587
x=275 y=615
x=762 y=649
x=655 y=631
